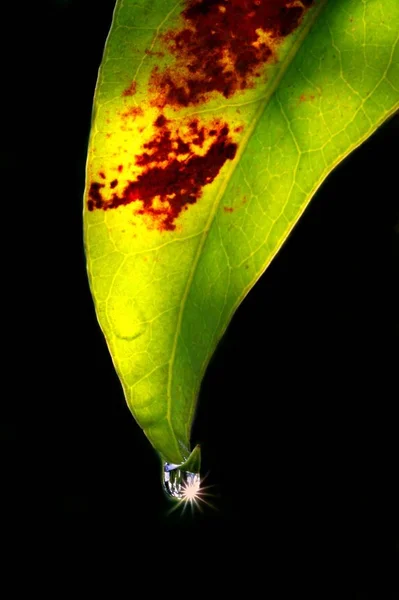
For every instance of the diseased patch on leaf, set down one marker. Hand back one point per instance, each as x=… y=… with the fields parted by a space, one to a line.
x=176 y=164
x=131 y=90
x=220 y=48
x=132 y=111
x=304 y=98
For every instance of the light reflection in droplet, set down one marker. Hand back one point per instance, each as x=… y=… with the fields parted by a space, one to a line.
x=185 y=487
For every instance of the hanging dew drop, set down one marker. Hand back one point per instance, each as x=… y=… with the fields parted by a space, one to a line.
x=180 y=484
x=183 y=481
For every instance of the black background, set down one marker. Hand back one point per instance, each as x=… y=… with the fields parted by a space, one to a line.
x=296 y=412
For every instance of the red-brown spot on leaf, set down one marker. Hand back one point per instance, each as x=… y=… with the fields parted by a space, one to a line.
x=95 y=197
x=220 y=48
x=304 y=98
x=133 y=111
x=131 y=90
x=160 y=121
x=154 y=53
x=173 y=173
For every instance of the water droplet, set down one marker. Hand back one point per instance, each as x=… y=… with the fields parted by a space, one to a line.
x=179 y=483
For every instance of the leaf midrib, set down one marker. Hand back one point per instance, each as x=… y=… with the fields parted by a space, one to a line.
x=263 y=104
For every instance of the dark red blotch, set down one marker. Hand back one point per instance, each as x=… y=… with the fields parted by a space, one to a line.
x=179 y=183
x=214 y=30
x=131 y=90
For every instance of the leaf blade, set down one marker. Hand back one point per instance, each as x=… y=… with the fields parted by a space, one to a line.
x=242 y=231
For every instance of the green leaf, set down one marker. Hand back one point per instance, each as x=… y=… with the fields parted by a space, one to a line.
x=214 y=124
